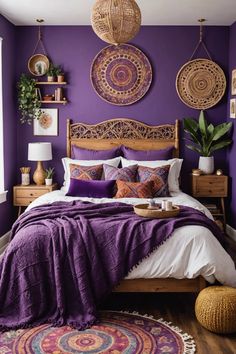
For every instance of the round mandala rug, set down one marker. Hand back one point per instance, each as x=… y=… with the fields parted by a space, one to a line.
x=121 y=75
x=200 y=83
x=118 y=332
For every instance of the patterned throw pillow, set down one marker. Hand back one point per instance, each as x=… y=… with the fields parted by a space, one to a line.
x=123 y=174
x=134 y=189
x=159 y=176
x=86 y=172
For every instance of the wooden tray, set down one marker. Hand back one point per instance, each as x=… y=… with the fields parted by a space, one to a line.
x=142 y=210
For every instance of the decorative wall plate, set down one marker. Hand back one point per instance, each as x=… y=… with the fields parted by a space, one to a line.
x=121 y=75
x=200 y=83
x=38 y=64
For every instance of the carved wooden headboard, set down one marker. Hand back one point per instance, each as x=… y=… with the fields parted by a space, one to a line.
x=128 y=132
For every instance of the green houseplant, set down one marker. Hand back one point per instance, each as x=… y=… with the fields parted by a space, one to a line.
x=52 y=72
x=205 y=139
x=49 y=175
x=28 y=100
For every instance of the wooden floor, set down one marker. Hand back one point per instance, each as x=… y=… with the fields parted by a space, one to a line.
x=178 y=309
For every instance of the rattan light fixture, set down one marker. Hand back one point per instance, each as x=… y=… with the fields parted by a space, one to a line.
x=116 y=21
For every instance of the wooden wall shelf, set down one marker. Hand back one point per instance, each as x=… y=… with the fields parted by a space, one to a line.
x=54 y=102
x=50 y=83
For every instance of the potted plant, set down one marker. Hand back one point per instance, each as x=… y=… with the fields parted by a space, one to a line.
x=49 y=175
x=52 y=72
x=206 y=139
x=60 y=75
x=28 y=99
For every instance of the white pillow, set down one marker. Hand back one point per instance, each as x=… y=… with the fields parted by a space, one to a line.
x=66 y=161
x=175 y=168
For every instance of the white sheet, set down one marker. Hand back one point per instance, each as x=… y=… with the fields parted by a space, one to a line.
x=190 y=252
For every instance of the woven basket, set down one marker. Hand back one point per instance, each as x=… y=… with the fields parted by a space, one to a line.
x=142 y=210
x=215 y=309
x=116 y=21
x=200 y=83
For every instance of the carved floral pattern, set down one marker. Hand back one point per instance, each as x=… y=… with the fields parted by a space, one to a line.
x=122 y=129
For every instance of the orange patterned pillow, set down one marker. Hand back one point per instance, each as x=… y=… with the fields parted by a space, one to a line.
x=86 y=172
x=134 y=189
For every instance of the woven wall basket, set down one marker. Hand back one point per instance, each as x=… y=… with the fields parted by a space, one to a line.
x=200 y=83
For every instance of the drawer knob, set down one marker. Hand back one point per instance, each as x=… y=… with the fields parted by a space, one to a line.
x=31 y=194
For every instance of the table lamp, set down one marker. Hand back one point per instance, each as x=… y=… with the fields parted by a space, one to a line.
x=39 y=152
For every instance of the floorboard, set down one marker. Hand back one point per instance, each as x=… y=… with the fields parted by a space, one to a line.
x=178 y=309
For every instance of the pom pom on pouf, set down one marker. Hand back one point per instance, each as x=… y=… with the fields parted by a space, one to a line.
x=215 y=309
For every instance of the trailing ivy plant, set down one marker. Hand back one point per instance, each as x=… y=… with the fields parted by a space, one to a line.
x=206 y=138
x=28 y=100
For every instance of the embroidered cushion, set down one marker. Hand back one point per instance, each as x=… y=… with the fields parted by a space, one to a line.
x=86 y=172
x=124 y=174
x=91 y=189
x=147 y=155
x=134 y=189
x=87 y=154
x=159 y=176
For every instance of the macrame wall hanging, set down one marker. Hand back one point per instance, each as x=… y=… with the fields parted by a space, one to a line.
x=200 y=83
x=38 y=64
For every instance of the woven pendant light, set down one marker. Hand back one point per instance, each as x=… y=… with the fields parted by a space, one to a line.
x=116 y=21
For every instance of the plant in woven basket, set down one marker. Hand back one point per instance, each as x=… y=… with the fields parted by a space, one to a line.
x=28 y=100
x=206 y=139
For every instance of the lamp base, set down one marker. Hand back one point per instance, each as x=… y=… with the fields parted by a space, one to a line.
x=39 y=174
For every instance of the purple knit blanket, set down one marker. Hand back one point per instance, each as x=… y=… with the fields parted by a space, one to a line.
x=64 y=258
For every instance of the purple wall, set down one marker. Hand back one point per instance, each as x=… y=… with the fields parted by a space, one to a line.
x=232 y=151
x=7 y=32
x=74 y=47
x=168 y=48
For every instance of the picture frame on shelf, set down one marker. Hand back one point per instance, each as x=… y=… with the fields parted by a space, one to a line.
x=233 y=82
x=233 y=108
x=47 y=124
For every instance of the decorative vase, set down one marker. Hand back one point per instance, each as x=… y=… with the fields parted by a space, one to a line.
x=48 y=181
x=51 y=78
x=60 y=78
x=206 y=164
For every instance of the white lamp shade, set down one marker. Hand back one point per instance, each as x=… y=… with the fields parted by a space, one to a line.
x=39 y=151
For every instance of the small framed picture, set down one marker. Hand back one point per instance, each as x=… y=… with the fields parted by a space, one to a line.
x=47 y=124
x=233 y=82
x=233 y=108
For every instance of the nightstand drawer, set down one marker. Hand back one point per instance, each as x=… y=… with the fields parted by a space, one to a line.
x=23 y=201
x=34 y=193
x=210 y=186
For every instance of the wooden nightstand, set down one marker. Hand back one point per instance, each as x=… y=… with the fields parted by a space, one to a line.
x=24 y=195
x=212 y=186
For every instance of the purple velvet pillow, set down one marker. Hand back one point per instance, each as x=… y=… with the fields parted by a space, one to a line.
x=127 y=174
x=91 y=189
x=86 y=154
x=147 y=155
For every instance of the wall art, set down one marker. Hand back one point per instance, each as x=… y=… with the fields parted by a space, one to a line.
x=121 y=75
x=47 y=124
x=233 y=108
x=233 y=82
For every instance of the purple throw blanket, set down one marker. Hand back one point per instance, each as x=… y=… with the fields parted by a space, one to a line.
x=64 y=258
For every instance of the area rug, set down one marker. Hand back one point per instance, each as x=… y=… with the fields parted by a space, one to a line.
x=118 y=332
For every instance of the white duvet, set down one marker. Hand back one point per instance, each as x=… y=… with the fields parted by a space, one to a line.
x=190 y=252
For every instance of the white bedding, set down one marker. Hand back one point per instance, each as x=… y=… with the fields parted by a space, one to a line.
x=190 y=252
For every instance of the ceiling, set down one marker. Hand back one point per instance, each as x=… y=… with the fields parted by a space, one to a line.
x=154 y=12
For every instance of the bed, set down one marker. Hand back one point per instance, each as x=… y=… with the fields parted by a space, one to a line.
x=49 y=271
x=134 y=134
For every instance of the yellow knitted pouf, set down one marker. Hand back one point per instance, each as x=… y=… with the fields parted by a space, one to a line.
x=215 y=309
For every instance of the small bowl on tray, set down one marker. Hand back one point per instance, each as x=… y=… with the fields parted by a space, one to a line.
x=144 y=211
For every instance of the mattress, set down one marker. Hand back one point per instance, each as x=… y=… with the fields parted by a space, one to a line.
x=191 y=252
